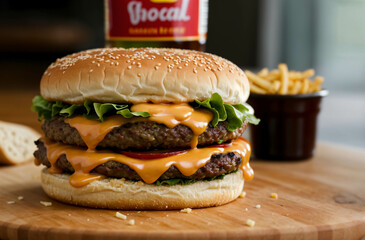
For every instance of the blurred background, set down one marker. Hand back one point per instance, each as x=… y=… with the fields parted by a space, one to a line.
x=327 y=35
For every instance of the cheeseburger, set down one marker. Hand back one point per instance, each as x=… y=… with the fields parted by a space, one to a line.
x=143 y=128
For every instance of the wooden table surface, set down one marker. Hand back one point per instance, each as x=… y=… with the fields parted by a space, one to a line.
x=323 y=198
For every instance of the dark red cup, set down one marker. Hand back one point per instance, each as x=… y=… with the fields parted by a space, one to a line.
x=287 y=130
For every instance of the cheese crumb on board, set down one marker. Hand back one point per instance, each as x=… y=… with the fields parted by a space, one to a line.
x=250 y=223
x=46 y=204
x=274 y=195
x=131 y=222
x=120 y=215
x=258 y=206
x=10 y=202
x=242 y=195
x=186 y=210
x=20 y=197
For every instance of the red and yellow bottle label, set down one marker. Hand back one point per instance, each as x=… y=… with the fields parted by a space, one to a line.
x=157 y=20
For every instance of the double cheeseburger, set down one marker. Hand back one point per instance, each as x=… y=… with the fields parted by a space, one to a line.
x=143 y=129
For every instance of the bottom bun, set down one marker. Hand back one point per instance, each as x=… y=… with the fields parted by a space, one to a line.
x=115 y=193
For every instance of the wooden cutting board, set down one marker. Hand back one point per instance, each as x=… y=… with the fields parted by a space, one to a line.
x=323 y=198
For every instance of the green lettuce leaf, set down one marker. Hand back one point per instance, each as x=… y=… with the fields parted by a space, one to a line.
x=128 y=114
x=103 y=108
x=69 y=111
x=42 y=107
x=93 y=111
x=172 y=182
x=234 y=114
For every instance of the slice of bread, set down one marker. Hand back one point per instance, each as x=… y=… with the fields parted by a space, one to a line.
x=16 y=143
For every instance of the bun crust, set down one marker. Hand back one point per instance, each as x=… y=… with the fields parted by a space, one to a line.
x=123 y=194
x=143 y=74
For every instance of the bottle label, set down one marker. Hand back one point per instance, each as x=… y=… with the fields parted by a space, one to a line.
x=157 y=20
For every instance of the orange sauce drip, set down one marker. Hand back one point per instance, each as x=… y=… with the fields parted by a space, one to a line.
x=93 y=131
x=149 y=170
x=245 y=165
x=174 y=114
x=80 y=179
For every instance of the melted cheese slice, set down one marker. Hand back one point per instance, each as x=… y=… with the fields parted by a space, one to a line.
x=93 y=131
x=84 y=161
x=174 y=114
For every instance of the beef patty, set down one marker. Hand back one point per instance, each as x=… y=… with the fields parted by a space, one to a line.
x=143 y=135
x=219 y=164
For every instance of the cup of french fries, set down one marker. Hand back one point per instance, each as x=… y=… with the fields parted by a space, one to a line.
x=288 y=103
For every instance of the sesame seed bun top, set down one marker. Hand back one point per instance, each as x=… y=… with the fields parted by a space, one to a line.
x=143 y=75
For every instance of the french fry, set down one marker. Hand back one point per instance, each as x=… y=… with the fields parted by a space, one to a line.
x=259 y=81
x=290 y=85
x=296 y=88
x=256 y=89
x=283 y=68
x=276 y=86
x=263 y=72
x=316 y=85
x=283 y=81
x=308 y=73
x=273 y=77
x=305 y=87
x=274 y=72
x=295 y=75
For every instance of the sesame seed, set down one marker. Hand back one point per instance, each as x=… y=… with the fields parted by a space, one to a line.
x=178 y=57
x=91 y=70
x=129 y=67
x=194 y=70
x=258 y=206
x=139 y=75
x=156 y=67
x=179 y=67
